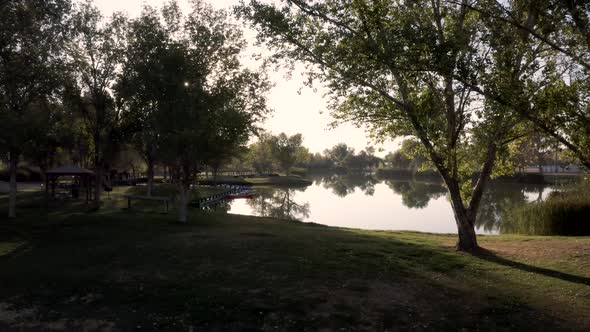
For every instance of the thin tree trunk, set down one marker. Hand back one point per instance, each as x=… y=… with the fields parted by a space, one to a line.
x=150 y=177
x=182 y=203
x=215 y=169
x=43 y=169
x=98 y=169
x=540 y=196
x=12 y=186
x=98 y=185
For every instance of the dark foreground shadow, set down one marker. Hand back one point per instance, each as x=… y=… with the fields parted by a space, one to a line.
x=492 y=257
x=220 y=273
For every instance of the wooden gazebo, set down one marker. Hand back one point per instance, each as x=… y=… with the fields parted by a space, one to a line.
x=84 y=176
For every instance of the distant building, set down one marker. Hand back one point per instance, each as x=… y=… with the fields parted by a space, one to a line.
x=554 y=168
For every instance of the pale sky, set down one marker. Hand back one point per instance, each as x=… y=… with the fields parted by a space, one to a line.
x=294 y=112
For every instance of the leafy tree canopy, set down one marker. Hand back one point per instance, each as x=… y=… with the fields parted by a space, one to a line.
x=405 y=69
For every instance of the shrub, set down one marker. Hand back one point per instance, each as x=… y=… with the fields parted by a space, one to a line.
x=298 y=171
x=23 y=174
x=564 y=212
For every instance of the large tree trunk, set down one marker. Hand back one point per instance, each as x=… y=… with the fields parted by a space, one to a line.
x=12 y=186
x=183 y=202
x=466 y=230
x=150 y=177
x=465 y=221
x=466 y=217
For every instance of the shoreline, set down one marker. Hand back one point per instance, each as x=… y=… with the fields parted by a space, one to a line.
x=281 y=180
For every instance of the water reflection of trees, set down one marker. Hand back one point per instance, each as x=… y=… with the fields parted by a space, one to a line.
x=498 y=199
x=416 y=194
x=343 y=185
x=501 y=197
x=279 y=203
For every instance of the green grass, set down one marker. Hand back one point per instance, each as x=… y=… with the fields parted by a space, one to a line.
x=124 y=269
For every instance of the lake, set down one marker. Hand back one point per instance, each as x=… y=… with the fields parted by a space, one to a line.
x=363 y=201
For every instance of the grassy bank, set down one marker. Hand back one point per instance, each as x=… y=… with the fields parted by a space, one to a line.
x=135 y=270
x=167 y=190
x=281 y=180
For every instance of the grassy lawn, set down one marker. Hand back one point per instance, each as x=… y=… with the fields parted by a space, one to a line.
x=118 y=269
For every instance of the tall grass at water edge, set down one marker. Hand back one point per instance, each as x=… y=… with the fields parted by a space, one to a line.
x=564 y=212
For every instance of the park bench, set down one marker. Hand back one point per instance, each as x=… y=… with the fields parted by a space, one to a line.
x=166 y=200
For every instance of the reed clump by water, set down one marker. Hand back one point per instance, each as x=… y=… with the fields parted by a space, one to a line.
x=564 y=212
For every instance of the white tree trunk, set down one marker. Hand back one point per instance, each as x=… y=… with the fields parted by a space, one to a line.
x=183 y=203
x=150 y=178
x=12 y=186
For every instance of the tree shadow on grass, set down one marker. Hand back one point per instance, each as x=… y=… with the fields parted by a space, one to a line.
x=240 y=273
x=350 y=279
x=490 y=256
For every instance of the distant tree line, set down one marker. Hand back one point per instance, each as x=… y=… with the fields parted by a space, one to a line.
x=286 y=154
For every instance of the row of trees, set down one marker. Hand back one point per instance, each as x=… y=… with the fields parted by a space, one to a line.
x=282 y=153
x=168 y=84
x=343 y=157
x=533 y=149
x=465 y=78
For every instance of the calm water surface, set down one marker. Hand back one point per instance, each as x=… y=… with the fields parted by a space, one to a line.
x=367 y=203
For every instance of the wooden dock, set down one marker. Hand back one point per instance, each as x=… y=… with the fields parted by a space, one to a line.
x=215 y=199
x=211 y=200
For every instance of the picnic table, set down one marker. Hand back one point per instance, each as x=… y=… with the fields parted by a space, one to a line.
x=166 y=200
